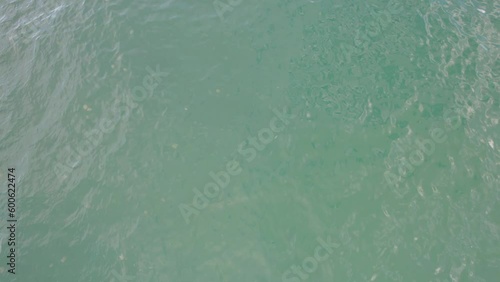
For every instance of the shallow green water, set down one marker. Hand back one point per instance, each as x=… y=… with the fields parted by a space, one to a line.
x=285 y=141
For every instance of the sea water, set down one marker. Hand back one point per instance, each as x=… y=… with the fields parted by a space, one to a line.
x=249 y=141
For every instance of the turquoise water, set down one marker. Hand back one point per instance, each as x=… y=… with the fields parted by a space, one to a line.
x=250 y=141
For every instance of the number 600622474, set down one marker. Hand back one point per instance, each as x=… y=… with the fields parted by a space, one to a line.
x=11 y=191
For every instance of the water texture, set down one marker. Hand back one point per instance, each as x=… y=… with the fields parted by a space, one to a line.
x=251 y=141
